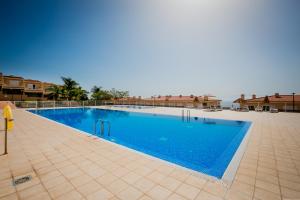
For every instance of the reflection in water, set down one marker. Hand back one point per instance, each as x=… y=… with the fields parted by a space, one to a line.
x=78 y=115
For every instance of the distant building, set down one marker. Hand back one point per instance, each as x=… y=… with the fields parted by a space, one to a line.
x=173 y=101
x=279 y=101
x=16 y=88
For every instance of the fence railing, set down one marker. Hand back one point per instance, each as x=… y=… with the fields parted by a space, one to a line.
x=54 y=104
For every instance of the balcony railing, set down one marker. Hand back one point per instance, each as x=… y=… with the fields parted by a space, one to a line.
x=34 y=90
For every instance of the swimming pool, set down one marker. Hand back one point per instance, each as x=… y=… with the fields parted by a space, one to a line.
x=204 y=145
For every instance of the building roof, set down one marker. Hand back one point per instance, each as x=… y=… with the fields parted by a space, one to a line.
x=12 y=76
x=273 y=98
x=31 y=80
x=181 y=98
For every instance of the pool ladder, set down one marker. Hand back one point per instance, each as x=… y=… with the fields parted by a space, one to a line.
x=102 y=125
x=188 y=115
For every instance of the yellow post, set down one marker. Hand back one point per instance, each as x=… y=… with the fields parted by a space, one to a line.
x=8 y=124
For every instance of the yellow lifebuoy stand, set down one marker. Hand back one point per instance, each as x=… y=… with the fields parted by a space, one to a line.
x=8 y=123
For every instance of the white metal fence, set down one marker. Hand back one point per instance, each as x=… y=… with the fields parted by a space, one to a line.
x=54 y=104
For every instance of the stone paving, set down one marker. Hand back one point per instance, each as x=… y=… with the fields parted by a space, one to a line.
x=66 y=164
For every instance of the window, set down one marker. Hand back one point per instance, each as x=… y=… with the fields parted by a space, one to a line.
x=31 y=86
x=14 y=83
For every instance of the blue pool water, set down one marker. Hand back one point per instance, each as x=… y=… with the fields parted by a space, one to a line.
x=204 y=145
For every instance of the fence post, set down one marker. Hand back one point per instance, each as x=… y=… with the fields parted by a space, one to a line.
x=5 y=139
x=54 y=104
x=95 y=102
x=83 y=103
x=36 y=105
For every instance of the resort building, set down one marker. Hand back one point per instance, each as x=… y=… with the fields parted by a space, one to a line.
x=173 y=101
x=277 y=101
x=16 y=88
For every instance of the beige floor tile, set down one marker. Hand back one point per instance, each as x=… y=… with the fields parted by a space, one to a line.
x=89 y=187
x=39 y=196
x=31 y=191
x=159 y=193
x=180 y=174
x=165 y=169
x=120 y=171
x=156 y=176
x=50 y=175
x=106 y=179
x=268 y=178
x=80 y=180
x=144 y=197
x=267 y=186
x=175 y=196
x=263 y=194
x=207 y=196
x=289 y=193
x=289 y=177
x=71 y=171
x=233 y=194
x=187 y=191
x=291 y=185
x=101 y=194
x=216 y=189
x=73 y=195
x=144 y=184
x=196 y=181
x=94 y=171
x=5 y=175
x=61 y=189
x=243 y=188
x=131 y=178
x=6 y=187
x=129 y=193
x=117 y=186
x=12 y=196
x=143 y=171
x=170 y=183
x=245 y=179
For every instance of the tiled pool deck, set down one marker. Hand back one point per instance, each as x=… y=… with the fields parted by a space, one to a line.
x=66 y=164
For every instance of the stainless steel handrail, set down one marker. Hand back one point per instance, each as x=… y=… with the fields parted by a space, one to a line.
x=102 y=126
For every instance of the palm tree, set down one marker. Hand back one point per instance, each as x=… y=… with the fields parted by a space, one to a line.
x=99 y=94
x=96 y=89
x=69 y=86
x=79 y=94
x=55 y=91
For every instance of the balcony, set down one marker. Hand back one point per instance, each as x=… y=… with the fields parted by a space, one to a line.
x=11 y=82
x=33 y=90
x=33 y=86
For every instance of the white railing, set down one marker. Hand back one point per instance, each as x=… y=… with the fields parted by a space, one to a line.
x=56 y=104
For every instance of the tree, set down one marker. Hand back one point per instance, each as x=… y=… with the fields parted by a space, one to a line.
x=118 y=94
x=79 y=94
x=99 y=94
x=55 y=92
x=69 y=87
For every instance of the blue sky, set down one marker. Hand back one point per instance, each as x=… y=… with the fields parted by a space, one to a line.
x=156 y=47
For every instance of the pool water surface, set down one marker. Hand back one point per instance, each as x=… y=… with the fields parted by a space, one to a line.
x=204 y=145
